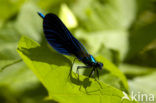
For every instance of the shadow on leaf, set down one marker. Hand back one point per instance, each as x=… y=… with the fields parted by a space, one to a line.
x=54 y=58
x=83 y=83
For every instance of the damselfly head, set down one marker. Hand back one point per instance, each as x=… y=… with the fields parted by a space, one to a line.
x=99 y=65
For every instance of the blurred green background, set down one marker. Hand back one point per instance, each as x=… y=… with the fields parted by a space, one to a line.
x=123 y=31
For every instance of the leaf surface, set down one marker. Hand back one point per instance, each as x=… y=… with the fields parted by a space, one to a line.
x=53 y=70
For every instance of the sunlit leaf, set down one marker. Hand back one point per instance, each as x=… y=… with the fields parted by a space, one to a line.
x=67 y=17
x=144 y=84
x=29 y=22
x=112 y=39
x=95 y=15
x=53 y=70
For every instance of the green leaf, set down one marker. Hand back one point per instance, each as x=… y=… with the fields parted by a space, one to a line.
x=29 y=22
x=110 y=74
x=14 y=75
x=49 y=4
x=16 y=85
x=138 y=43
x=53 y=70
x=9 y=8
x=114 y=75
x=106 y=22
x=110 y=54
x=144 y=84
x=11 y=32
x=67 y=17
x=111 y=39
x=144 y=5
x=95 y=15
x=132 y=71
x=8 y=43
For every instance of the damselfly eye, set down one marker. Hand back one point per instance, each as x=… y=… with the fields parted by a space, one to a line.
x=100 y=65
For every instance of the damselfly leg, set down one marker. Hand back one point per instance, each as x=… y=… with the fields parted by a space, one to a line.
x=80 y=67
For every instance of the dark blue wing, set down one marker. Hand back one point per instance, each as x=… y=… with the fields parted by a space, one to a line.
x=60 y=38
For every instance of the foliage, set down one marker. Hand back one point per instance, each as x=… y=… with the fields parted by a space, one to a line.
x=41 y=61
x=119 y=33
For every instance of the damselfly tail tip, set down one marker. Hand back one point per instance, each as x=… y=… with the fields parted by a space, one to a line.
x=41 y=15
